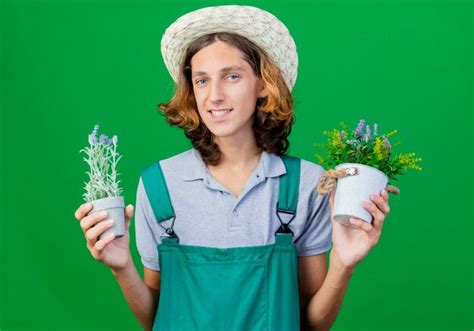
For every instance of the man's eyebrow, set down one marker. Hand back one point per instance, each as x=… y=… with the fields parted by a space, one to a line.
x=223 y=70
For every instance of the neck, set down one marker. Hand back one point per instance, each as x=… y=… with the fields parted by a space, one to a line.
x=238 y=154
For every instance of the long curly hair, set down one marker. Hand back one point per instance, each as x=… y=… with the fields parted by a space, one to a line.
x=273 y=117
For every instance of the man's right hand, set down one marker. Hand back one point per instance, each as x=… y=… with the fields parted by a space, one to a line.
x=114 y=253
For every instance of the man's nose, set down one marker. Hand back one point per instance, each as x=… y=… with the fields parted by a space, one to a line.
x=216 y=92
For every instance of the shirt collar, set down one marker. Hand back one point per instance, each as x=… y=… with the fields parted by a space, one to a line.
x=270 y=165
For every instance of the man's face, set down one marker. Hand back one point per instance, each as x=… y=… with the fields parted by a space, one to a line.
x=226 y=90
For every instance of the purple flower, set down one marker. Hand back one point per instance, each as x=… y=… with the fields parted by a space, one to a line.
x=375 y=129
x=342 y=135
x=351 y=142
x=92 y=139
x=358 y=131
x=93 y=135
x=387 y=143
x=95 y=130
x=112 y=140
x=103 y=138
x=367 y=133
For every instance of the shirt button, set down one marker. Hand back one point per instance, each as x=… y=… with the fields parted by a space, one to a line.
x=235 y=213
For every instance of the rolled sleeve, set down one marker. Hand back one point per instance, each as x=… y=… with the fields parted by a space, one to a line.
x=316 y=237
x=147 y=231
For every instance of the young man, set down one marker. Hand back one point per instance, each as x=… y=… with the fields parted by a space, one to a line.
x=232 y=232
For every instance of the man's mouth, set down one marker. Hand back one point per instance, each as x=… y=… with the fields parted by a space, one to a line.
x=220 y=112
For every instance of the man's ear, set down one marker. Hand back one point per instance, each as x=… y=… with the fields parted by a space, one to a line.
x=263 y=92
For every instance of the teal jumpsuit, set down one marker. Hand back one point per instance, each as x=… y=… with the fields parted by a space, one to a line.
x=251 y=288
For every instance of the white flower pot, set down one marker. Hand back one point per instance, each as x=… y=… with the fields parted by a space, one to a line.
x=115 y=207
x=352 y=191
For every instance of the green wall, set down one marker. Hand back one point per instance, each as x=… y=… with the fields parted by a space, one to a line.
x=65 y=65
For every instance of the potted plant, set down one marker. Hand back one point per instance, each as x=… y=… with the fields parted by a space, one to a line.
x=363 y=164
x=103 y=189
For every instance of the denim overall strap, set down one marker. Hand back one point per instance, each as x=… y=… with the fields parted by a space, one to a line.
x=157 y=192
x=290 y=182
x=288 y=193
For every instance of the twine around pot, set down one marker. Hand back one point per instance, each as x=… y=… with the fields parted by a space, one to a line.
x=328 y=180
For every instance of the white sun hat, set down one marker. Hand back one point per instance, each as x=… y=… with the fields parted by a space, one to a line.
x=255 y=24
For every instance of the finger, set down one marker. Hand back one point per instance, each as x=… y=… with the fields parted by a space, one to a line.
x=102 y=243
x=378 y=216
x=378 y=224
x=372 y=208
x=89 y=221
x=96 y=231
x=82 y=211
x=381 y=203
x=384 y=195
x=129 y=211
x=128 y=216
x=361 y=225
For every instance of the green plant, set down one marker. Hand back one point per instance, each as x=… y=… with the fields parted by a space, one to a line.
x=102 y=160
x=347 y=146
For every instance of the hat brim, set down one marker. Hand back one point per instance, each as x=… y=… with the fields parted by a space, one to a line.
x=255 y=24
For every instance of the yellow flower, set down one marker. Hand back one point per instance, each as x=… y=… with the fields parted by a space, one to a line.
x=391 y=133
x=379 y=150
x=336 y=139
x=408 y=161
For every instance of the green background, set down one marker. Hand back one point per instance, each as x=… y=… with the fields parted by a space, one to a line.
x=66 y=65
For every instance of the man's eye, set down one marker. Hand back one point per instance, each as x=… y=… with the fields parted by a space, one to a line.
x=199 y=81
x=233 y=76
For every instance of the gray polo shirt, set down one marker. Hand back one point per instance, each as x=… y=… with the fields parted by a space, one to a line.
x=208 y=214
